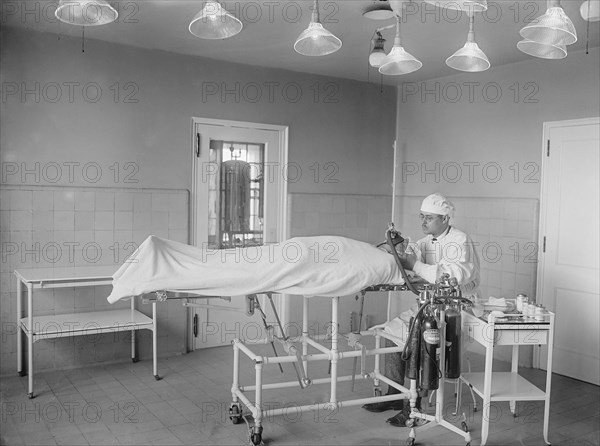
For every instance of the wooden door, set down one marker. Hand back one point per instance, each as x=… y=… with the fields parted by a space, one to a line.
x=568 y=272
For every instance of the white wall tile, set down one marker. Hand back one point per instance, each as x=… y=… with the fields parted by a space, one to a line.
x=142 y=202
x=20 y=200
x=105 y=201
x=104 y=220
x=43 y=200
x=85 y=221
x=64 y=200
x=160 y=202
x=123 y=201
x=64 y=220
x=21 y=220
x=85 y=200
x=123 y=220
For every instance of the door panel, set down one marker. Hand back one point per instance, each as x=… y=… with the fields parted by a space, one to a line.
x=220 y=320
x=568 y=278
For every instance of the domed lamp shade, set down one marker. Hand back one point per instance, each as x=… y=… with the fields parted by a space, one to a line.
x=214 y=22
x=399 y=61
x=86 y=12
x=470 y=57
x=464 y=5
x=379 y=10
x=378 y=56
x=552 y=28
x=542 y=50
x=316 y=40
x=590 y=10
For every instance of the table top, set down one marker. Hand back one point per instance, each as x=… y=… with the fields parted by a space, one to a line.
x=102 y=273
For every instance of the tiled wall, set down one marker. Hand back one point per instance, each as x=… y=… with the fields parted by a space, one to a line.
x=505 y=231
x=361 y=217
x=46 y=227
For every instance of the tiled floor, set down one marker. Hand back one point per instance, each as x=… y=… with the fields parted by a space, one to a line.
x=123 y=405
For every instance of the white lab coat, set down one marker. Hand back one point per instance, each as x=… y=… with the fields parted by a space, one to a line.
x=452 y=253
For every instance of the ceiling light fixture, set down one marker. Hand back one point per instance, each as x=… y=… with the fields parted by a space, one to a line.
x=399 y=61
x=542 y=50
x=554 y=27
x=470 y=57
x=214 y=22
x=85 y=12
x=464 y=5
x=379 y=10
x=316 y=40
x=590 y=10
x=377 y=56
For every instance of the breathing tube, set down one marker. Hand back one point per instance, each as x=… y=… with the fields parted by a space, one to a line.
x=390 y=242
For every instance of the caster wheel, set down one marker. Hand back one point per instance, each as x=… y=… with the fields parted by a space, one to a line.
x=235 y=414
x=468 y=444
x=22 y=373
x=464 y=426
x=410 y=442
x=156 y=377
x=30 y=395
x=256 y=435
x=236 y=420
x=474 y=409
x=377 y=392
x=134 y=360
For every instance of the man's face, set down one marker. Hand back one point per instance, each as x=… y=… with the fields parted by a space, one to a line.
x=433 y=224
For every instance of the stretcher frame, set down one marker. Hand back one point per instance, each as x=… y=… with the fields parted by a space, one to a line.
x=301 y=360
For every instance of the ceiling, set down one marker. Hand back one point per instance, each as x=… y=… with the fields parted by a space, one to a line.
x=271 y=27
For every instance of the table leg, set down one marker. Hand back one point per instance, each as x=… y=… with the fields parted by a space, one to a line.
x=548 y=378
x=19 y=331
x=514 y=368
x=30 y=339
x=133 y=356
x=487 y=390
x=334 y=348
x=154 y=345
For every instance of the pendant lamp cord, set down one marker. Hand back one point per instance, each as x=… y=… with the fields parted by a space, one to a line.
x=587 y=42
x=315 y=14
x=83 y=39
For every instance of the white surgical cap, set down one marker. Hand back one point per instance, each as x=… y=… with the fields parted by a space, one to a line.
x=437 y=204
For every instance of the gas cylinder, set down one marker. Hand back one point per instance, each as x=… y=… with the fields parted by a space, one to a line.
x=429 y=344
x=414 y=349
x=453 y=322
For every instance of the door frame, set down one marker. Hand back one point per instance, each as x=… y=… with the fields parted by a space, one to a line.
x=547 y=127
x=282 y=303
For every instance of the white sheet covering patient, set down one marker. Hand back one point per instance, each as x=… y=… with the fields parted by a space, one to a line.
x=310 y=266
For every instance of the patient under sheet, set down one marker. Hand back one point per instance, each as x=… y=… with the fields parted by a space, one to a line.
x=310 y=266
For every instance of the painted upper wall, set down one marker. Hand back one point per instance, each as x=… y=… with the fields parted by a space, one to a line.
x=480 y=134
x=121 y=116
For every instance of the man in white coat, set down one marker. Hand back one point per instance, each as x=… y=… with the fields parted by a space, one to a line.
x=443 y=250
